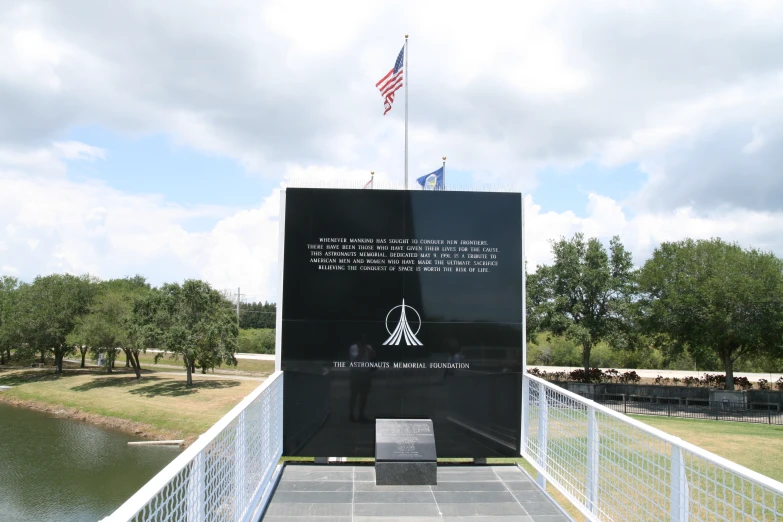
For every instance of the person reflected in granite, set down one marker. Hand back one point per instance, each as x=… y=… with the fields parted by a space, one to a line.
x=360 y=378
x=455 y=355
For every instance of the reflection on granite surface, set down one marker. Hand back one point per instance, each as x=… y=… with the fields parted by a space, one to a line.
x=466 y=373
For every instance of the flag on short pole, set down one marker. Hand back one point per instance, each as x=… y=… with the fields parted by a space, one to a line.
x=369 y=183
x=432 y=181
x=392 y=82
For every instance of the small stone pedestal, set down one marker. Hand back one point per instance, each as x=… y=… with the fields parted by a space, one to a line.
x=405 y=453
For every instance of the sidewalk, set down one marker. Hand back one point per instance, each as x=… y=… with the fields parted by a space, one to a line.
x=652 y=374
x=248 y=356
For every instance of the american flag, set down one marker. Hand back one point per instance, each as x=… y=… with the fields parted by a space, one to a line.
x=390 y=83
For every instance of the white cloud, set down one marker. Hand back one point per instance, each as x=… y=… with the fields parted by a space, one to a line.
x=9 y=270
x=757 y=143
x=288 y=92
x=52 y=224
x=78 y=150
x=641 y=233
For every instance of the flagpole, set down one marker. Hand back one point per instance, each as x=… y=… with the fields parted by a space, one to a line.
x=444 y=172
x=372 y=179
x=406 y=111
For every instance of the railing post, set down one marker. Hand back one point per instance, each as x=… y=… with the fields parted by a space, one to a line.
x=525 y=412
x=593 y=444
x=240 y=466
x=543 y=420
x=197 y=490
x=679 y=487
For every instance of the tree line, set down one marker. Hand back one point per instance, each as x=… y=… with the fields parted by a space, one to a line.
x=257 y=315
x=60 y=315
x=708 y=299
x=712 y=301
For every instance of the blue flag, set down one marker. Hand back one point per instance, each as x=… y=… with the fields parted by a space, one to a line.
x=432 y=181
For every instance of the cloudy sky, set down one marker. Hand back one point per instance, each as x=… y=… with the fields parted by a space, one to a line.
x=153 y=137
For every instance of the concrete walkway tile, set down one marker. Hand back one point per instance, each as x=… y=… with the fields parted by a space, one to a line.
x=525 y=497
x=308 y=510
x=313 y=497
x=551 y=518
x=522 y=486
x=364 y=475
x=396 y=519
x=542 y=508
x=474 y=497
x=315 y=485
x=466 y=509
x=392 y=497
x=371 y=487
x=522 y=518
x=307 y=519
x=470 y=486
x=395 y=510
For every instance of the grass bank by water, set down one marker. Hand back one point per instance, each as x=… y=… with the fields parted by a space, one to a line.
x=155 y=406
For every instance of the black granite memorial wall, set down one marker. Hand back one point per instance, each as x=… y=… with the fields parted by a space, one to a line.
x=402 y=304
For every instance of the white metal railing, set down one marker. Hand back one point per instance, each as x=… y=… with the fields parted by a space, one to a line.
x=612 y=467
x=226 y=473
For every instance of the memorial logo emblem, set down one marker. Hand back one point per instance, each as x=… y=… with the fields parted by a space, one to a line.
x=403 y=331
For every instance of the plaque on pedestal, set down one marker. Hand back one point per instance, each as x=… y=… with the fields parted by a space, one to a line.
x=405 y=452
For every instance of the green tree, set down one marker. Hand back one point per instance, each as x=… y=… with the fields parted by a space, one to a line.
x=48 y=310
x=191 y=321
x=709 y=295
x=108 y=325
x=586 y=294
x=257 y=315
x=8 y=287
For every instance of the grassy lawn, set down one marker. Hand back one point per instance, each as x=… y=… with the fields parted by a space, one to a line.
x=161 y=402
x=756 y=446
x=147 y=360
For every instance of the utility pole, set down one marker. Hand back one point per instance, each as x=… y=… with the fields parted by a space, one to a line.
x=238 y=294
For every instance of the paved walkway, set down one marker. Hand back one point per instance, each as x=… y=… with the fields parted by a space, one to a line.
x=346 y=493
x=754 y=377
x=248 y=356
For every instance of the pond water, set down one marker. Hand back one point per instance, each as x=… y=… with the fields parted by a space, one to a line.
x=60 y=469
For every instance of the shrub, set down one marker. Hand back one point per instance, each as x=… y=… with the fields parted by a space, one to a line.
x=539 y=355
x=256 y=340
x=578 y=375
x=565 y=352
x=662 y=380
x=611 y=375
x=763 y=384
x=779 y=384
x=715 y=381
x=743 y=383
x=602 y=356
x=593 y=375
x=630 y=377
x=690 y=381
x=676 y=380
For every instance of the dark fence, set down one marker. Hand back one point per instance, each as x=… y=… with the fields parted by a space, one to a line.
x=758 y=412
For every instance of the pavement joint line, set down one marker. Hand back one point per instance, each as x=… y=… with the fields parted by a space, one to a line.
x=440 y=513
x=509 y=490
